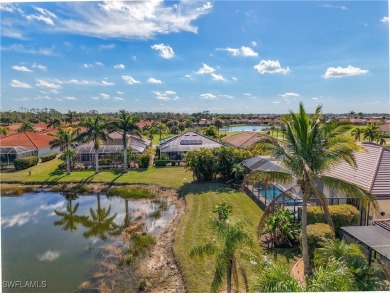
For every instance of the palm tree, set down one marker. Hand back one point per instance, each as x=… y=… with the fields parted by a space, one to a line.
x=26 y=126
x=380 y=138
x=371 y=132
x=64 y=139
x=307 y=153
x=356 y=133
x=233 y=237
x=238 y=170
x=97 y=132
x=161 y=128
x=54 y=122
x=218 y=124
x=69 y=220
x=127 y=123
x=70 y=117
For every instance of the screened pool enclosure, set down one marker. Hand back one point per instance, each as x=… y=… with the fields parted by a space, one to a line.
x=9 y=154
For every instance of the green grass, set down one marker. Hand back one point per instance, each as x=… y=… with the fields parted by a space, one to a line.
x=194 y=229
x=130 y=192
x=156 y=138
x=47 y=172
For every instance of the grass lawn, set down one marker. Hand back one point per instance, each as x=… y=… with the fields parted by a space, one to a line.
x=194 y=229
x=47 y=172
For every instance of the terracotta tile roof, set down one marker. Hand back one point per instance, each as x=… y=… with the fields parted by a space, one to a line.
x=385 y=127
x=245 y=139
x=29 y=140
x=373 y=170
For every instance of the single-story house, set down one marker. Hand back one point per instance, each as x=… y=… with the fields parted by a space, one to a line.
x=246 y=139
x=385 y=128
x=176 y=146
x=112 y=149
x=24 y=144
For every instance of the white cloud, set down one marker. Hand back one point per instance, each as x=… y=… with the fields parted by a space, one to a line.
x=119 y=66
x=226 y=96
x=337 y=72
x=289 y=95
x=205 y=69
x=21 y=68
x=385 y=19
x=119 y=93
x=29 y=50
x=270 y=66
x=18 y=219
x=275 y=102
x=46 y=84
x=165 y=96
x=42 y=98
x=43 y=15
x=107 y=47
x=254 y=44
x=342 y=7
x=70 y=98
x=118 y=99
x=132 y=19
x=99 y=63
x=129 y=79
x=154 y=80
x=188 y=76
x=77 y=82
x=250 y=96
x=85 y=65
x=165 y=51
x=106 y=83
x=217 y=77
x=104 y=96
x=170 y=93
x=39 y=66
x=234 y=78
x=243 y=51
x=208 y=96
x=17 y=83
x=49 y=256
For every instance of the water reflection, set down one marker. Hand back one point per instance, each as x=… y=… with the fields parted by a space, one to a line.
x=69 y=219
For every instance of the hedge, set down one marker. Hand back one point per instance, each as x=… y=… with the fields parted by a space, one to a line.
x=48 y=157
x=24 y=163
x=143 y=160
x=161 y=163
x=342 y=215
x=315 y=234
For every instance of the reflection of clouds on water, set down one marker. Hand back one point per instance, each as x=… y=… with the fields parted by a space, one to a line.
x=119 y=219
x=55 y=206
x=18 y=219
x=49 y=255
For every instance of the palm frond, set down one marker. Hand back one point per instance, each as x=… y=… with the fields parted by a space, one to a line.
x=203 y=250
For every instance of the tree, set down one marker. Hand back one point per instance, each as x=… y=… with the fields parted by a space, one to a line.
x=160 y=128
x=96 y=132
x=227 y=264
x=238 y=170
x=380 y=138
x=218 y=124
x=211 y=131
x=69 y=219
x=4 y=131
x=54 y=122
x=307 y=153
x=26 y=126
x=356 y=133
x=64 y=139
x=371 y=132
x=126 y=123
x=70 y=117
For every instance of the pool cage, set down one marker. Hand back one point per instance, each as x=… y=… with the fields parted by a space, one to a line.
x=9 y=154
x=86 y=153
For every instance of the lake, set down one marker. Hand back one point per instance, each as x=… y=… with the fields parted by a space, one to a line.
x=246 y=128
x=59 y=240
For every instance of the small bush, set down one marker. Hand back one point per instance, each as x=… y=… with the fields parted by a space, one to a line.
x=155 y=214
x=140 y=245
x=48 y=157
x=342 y=215
x=105 y=162
x=143 y=160
x=83 y=189
x=317 y=233
x=24 y=163
x=161 y=163
x=130 y=192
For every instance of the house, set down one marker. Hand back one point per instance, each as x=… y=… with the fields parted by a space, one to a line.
x=385 y=128
x=112 y=149
x=24 y=144
x=176 y=146
x=243 y=140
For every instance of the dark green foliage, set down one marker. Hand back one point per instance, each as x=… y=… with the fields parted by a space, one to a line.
x=24 y=163
x=155 y=214
x=130 y=192
x=317 y=233
x=143 y=160
x=48 y=157
x=342 y=215
x=161 y=163
x=105 y=162
x=224 y=210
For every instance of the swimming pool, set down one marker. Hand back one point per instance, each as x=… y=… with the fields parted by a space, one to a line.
x=272 y=191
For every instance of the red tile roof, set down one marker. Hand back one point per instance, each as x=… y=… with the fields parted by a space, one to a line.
x=29 y=140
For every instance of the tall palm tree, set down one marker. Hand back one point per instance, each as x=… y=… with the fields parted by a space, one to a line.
x=96 y=132
x=54 y=122
x=161 y=128
x=233 y=237
x=370 y=132
x=356 y=133
x=380 y=138
x=64 y=139
x=127 y=123
x=307 y=153
x=70 y=117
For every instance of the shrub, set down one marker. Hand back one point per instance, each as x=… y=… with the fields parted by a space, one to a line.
x=24 y=163
x=48 y=157
x=342 y=215
x=317 y=233
x=143 y=160
x=161 y=163
x=130 y=192
x=140 y=245
x=103 y=162
x=155 y=214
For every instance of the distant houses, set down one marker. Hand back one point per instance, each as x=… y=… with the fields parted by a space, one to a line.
x=242 y=140
x=385 y=129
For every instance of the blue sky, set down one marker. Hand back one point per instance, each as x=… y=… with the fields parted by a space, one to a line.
x=190 y=56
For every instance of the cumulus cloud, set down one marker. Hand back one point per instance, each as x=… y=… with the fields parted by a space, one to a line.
x=17 y=83
x=254 y=44
x=21 y=68
x=385 y=19
x=118 y=99
x=338 y=72
x=77 y=82
x=119 y=93
x=46 y=84
x=106 y=83
x=49 y=255
x=39 y=66
x=243 y=51
x=104 y=96
x=154 y=80
x=217 y=77
x=165 y=96
x=70 y=98
x=249 y=95
x=119 y=66
x=205 y=69
x=208 y=96
x=130 y=80
x=98 y=63
x=289 y=95
x=16 y=220
x=234 y=78
x=85 y=65
x=270 y=66
x=165 y=51
x=132 y=19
